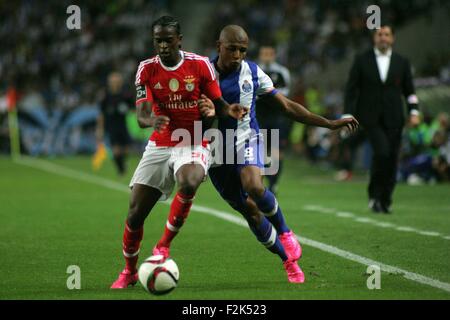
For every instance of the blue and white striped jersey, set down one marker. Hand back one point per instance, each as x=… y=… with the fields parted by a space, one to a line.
x=243 y=86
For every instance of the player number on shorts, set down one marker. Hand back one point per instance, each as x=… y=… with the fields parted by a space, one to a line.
x=248 y=156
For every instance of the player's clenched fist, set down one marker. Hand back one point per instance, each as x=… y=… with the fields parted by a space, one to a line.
x=237 y=111
x=206 y=107
x=349 y=121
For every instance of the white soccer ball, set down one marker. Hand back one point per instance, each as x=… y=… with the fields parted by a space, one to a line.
x=158 y=275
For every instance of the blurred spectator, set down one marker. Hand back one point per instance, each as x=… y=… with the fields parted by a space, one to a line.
x=418 y=151
x=347 y=148
x=441 y=139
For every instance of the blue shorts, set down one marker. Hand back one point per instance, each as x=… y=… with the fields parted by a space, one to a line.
x=226 y=178
x=250 y=152
x=227 y=181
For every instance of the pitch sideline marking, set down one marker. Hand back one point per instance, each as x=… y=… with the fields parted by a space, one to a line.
x=63 y=171
x=389 y=225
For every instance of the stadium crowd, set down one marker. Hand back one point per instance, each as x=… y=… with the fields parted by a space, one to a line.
x=59 y=72
x=309 y=35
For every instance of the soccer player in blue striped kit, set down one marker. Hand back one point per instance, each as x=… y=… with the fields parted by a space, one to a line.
x=240 y=184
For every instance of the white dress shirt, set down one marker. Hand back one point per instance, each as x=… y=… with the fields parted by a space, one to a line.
x=383 y=62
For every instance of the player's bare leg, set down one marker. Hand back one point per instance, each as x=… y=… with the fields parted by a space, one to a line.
x=142 y=200
x=265 y=201
x=189 y=177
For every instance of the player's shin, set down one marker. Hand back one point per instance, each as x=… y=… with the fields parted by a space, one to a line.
x=267 y=235
x=131 y=246
x=179 y=210
x=268 y=204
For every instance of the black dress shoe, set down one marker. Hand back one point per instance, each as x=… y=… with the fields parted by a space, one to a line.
x=385 y=208
x=375 y=206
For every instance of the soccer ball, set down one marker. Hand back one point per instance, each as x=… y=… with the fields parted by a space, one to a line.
x=158 y=275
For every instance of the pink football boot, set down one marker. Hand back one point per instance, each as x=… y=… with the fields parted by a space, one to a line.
x=125 y=279
x=291 y=245
x=294 y=273
x=164 y=251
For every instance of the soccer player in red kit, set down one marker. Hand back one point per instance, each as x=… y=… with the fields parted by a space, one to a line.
x=169 y=87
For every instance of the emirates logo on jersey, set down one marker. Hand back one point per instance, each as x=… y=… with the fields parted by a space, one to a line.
x=174 y=85
x=179 y=105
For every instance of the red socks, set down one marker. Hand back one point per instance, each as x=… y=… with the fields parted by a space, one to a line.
x=179 y=210
x=131 y=244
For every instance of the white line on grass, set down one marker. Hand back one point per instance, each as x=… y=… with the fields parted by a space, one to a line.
x=70 y=173
x=355 y=217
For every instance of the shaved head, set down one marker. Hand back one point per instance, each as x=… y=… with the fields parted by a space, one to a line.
x=233 y=33
x=232 y=47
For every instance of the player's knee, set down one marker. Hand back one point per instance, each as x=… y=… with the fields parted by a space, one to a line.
x=255 y=191
x=188 y=182
x=189 y=186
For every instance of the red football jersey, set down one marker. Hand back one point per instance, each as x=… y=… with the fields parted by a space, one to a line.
x=174 y=91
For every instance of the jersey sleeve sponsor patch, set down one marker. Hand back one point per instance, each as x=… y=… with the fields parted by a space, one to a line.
x=142 y=93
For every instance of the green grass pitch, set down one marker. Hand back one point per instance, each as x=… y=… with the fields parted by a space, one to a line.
x=49 y=221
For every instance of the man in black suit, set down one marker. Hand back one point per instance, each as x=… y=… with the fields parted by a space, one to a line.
x=378 y=79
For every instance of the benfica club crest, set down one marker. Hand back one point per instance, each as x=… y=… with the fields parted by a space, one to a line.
x=190 y=85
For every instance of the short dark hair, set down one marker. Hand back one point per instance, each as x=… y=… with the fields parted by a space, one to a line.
x=384 y=25
x=167 y=21
x=268 y=45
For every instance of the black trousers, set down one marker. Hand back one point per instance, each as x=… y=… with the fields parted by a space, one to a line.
x=386 y=144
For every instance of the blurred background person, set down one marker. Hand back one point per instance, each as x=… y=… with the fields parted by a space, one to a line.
x=441 y=162
x=347 y=149
x=418 y=149
x=267 y=118
x=111 y=122
x=378 y=79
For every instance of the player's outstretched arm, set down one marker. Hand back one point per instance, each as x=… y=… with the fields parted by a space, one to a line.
x=146 y=118
x=299 y=113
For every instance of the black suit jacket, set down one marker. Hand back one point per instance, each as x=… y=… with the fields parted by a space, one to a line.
x=373 y=102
